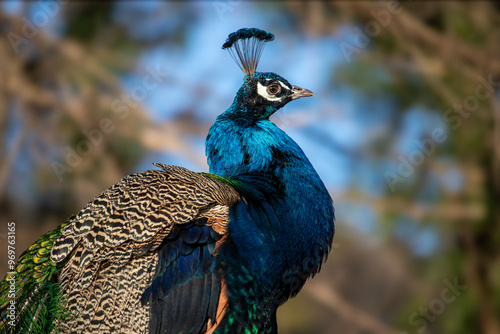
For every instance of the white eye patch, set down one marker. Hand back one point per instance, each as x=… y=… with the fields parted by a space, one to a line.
x=262 y=91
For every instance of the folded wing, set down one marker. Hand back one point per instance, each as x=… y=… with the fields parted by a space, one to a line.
x=140 y=257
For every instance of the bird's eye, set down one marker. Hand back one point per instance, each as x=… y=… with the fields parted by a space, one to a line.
x=273 y=89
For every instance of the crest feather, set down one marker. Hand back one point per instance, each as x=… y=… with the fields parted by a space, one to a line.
x=245 y=46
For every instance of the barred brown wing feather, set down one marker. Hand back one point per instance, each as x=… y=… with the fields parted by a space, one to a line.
x=110 y=246
x=140 y=205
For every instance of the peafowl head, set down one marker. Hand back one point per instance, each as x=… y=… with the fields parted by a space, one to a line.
x=262 y=93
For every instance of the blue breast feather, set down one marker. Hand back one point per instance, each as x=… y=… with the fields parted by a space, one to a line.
x=288 y=215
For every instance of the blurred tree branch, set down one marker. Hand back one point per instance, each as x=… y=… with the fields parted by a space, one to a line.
x=350 y=313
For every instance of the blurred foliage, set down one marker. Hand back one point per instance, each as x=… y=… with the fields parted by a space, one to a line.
x=430 y=56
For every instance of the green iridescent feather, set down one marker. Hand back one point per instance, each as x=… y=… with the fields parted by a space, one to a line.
x=38 y=303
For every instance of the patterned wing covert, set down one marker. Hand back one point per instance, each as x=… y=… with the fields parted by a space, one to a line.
x=138 y=247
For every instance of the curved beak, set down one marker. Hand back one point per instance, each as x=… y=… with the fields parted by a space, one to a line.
x=300 y=92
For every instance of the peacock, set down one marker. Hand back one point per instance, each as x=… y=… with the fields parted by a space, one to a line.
x=175 y=251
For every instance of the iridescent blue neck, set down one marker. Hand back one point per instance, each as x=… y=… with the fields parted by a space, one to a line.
x=287 y=217
x=268 y=160
x=242 y=145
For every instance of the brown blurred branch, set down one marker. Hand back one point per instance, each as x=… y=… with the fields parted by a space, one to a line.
x=450 y=212
x=169 y=138
x=331 y=299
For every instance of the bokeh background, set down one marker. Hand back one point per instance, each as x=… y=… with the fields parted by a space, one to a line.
x=404 y=131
